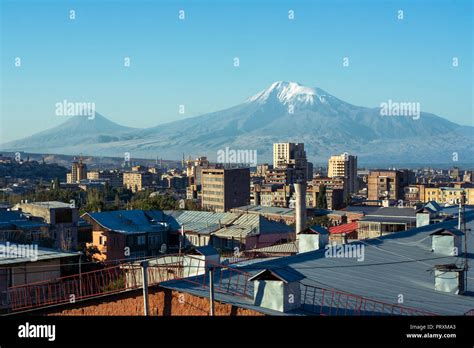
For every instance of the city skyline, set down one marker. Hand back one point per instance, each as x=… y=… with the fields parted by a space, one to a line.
x=190 y=61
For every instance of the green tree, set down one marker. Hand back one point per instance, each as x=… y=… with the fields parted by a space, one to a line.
x=321 y=200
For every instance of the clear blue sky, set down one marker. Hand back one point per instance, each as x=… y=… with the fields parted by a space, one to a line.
x=190 y=62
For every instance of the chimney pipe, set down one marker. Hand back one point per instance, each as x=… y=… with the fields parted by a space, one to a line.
x=300 y=209
x=257 y=197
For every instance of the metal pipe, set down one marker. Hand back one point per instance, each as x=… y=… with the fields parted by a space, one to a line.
x=144 y=265
x=211 y=291
x=300 y=207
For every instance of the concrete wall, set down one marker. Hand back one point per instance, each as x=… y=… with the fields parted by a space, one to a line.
x=32 y=272
x=163 y=302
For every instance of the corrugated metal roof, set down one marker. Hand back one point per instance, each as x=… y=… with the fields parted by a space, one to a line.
x=284 y=248
x=400 y=263
x=202 y=222
x=39 y=254
x=388 y=220
x=126 y=221
x=253 y=224
x=266 y=210
x=206 y=250
x=344 y=228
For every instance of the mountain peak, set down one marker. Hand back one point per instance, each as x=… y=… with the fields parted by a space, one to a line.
x=287 y=92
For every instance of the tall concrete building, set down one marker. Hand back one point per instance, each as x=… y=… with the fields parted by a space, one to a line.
x=137 y=180
x=114 y=177
x=344 y=166
x=388 y=184
x=293 y=157
x=78 y=172
x=225 y=188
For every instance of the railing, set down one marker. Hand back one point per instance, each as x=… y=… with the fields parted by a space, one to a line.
x=227 y=280
x=66 y=289
x=322 y=301
x=105 y=281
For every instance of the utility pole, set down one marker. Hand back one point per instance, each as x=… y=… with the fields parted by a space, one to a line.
x=211 y=291
x=181 y=237
x=80 y=275
x=144 y=265
x=466 y=260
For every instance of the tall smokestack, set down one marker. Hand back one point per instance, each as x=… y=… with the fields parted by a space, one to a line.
x=300 y=211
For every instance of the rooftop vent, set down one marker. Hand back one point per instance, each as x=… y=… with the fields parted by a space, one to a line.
x=449 y=278
x=312 y=238
x=447 y=242
x=277 y=289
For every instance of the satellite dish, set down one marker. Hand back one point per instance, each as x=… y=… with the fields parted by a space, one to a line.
x=163 y=248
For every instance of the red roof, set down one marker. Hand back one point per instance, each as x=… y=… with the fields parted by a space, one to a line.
x=345 y=228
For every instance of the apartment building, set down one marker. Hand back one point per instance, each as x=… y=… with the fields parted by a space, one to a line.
x=448 y=195
x=78 y=172
x=62 y=219
x=113 y=177
x=137 y=180
x=225 y=188
x=291 y=155
x=388 y=184
x=334 y=197
x=344 y=166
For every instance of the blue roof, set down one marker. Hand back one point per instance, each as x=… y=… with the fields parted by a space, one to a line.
x=433 y=206
x=399 y=263
x=127 y=221
x=11 y=219
x=319 y=229
x=453 y=231
x=287 y=275
x=206 y=250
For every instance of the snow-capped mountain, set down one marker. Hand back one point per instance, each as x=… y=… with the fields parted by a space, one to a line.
x=290 y=93
x=285 y=111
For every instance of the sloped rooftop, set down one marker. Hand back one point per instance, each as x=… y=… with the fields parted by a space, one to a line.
x=398 y=264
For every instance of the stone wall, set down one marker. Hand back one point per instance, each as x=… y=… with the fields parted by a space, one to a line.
x=162 y=302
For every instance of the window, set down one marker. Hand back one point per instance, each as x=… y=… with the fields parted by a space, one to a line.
x=101 y=240
x=140 y=240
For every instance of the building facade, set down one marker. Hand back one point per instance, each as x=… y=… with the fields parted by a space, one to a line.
x=387 y=184
x=225 y=188
x=344 y=166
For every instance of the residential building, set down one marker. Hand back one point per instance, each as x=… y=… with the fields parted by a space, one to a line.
x=334 y=197
x=448 y=195
x=225 y=188
x=251 y=231
x=78 y=172
x=344 y=166
x=388 y=184
x=114 y=177
x=193 y=173
x=291 y=155
x=128 y=234
x=15 y=226
x=62 y=219
x=21 y=268
x=137 y=180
